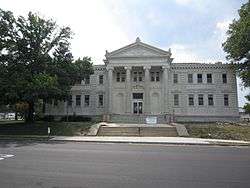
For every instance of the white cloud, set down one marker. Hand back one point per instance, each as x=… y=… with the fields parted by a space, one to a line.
x=183 y=53
x=92 y=22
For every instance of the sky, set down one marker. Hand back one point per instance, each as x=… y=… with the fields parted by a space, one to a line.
x=193 y=29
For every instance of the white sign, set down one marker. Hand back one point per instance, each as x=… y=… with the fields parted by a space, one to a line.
x=151 y=120
x=48 y=130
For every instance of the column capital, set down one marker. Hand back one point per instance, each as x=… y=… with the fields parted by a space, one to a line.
x=146 y=67
x=109 y=68
x=165 y=67
x=127 y=67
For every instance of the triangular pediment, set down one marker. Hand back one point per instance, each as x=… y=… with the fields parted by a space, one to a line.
x=138 y=49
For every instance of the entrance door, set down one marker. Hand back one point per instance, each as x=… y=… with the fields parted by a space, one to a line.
x=137 y=107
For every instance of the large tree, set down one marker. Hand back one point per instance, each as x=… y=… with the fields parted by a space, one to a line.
x=35 y=61
x=237 y=45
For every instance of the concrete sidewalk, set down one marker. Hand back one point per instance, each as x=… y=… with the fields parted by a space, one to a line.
x=151 y=140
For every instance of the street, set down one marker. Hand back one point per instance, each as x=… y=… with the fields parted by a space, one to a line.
x=81 y=164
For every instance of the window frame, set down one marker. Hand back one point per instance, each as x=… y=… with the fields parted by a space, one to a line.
x=175 y=78
x=190 y=79
x=101 y=79
x=176 y=99
x=209 y=79
x=226 y=100
x=209 y=97
x=224 y=78
x=86 y=98
x=190 y=96
x=100 y=100
x=78 y=102
x=199 y=79
x=200 y=99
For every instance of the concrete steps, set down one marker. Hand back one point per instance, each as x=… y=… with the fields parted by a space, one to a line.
x=137 y=131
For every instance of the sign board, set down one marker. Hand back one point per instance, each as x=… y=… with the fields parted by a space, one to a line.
x=151 y=120
x=48 y=130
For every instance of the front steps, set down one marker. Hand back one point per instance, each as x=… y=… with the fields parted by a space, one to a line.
x=168 y=131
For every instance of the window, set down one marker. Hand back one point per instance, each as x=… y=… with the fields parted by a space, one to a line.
x=224 y=78
x=118 y=77
x=78 y=100
x=199 y=78
x=123 y=76
x=135 y=76
x=210 y=100
x=191 y=100
x=190 y=78
x=70 y=100
x=140 y=76
x=137 y=95
x=226 y=100
x=152 y=76
x=100 y=100
x=100 y=79
x=200 y=99
x=157 y=76
x=209 y=78
x=176 y=99
x=175 y=78
x=86 y=100
x=87 y=80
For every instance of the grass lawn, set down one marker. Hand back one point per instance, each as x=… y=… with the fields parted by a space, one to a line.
x=219 y=131
x=40 y=128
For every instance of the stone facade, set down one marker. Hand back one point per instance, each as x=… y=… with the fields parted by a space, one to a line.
x=139 y=80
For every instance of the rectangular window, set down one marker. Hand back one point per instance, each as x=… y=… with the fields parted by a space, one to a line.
x=78 y=100
x=190 y=78
x=224 y=78
x=199 y=78
x=135 y=76
x=210 y=100
x=118 y=77
x=137 y=95
x=70 y=100
x=200 y=99
x=226 y=100
x=86 y=100
x=123 y=76
x=175 y=78
x=100 y=79
x=152 y=75
x=176 y=99
x=100 y=100
x=209 y=78
x=140 y=76
x=191 y=100
x=87 y=80
x=157 y=76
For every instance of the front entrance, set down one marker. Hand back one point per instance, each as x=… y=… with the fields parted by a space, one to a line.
x=137 y=107
x=137 y=103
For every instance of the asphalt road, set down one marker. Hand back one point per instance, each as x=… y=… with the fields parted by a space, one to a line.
x=74 y=165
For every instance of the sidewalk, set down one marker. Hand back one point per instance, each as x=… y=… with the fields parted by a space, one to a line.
x=151 y=140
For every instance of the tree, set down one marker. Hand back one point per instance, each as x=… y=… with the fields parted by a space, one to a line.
x=35 y=61
x=237 y=45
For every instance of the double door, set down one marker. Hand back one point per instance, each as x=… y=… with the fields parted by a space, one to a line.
x=137 y=107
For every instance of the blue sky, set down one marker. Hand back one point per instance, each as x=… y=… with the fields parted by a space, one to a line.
x=193 y=29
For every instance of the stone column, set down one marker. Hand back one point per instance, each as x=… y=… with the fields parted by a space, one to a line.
x=110 y=84
x=147 y=90
x=128 y=90
x=165 y=91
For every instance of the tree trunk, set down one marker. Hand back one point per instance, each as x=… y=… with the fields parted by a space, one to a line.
x=29 y=117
